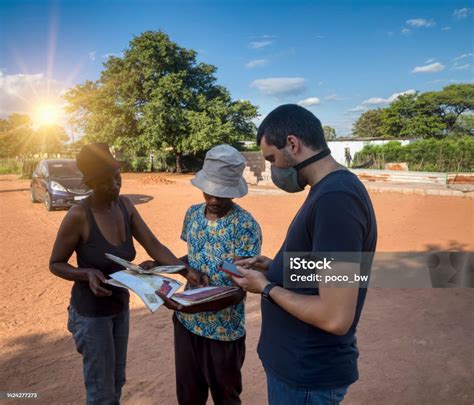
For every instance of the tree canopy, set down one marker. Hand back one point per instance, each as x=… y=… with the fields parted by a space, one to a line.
x=329 y=133
x=433 y=114
x=369 y=124
x=158 y=96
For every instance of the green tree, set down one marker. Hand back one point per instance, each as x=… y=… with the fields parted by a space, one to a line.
x=412 y=117
x=369 y=124
x=16 y=135
x=464 y=125
x=428 y=115
x=329 y=133
x=158 y=96
x=449 y=103
x=49 y=139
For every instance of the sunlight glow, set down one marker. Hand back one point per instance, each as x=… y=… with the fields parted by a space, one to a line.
x=46 y=114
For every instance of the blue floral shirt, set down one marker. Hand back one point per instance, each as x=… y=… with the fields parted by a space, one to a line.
x=209 y=243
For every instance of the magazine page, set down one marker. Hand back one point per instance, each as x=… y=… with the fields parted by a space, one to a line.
x=145 y=285
x=169 y=269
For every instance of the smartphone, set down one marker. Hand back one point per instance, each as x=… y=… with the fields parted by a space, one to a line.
x=230 y=268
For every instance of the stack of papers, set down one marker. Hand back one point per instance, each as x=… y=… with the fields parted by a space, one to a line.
x=144 y=283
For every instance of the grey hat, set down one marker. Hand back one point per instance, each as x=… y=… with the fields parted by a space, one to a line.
x=221 y=174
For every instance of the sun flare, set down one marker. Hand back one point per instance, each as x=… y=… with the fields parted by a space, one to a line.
x=46 y=114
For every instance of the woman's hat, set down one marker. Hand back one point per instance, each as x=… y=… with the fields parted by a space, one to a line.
x=221 y=174
x=94 y=160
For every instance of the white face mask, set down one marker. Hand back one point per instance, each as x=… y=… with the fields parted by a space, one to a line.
x=287 y=178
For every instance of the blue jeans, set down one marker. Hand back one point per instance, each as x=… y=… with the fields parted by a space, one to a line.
x=102 y=342
x=280 y=393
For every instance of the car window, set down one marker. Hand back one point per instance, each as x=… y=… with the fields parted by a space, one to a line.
x=43 y=170
x=37 y=169
x=64 y=170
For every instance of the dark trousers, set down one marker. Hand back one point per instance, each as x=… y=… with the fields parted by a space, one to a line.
x=203 y=364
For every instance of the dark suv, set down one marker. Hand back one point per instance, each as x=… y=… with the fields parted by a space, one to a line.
x=58 y=184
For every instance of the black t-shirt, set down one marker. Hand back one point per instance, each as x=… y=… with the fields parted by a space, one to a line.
x=337 y=216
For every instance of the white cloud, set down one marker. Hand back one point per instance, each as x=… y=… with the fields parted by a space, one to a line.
x=358 y=108
x=432 y=68
x=445 y=28
x=260 y=44
x=420 y=23
x=23 y=93
x=308 y=102
x=394 y=96
x=430 y=60
x=461 y=67
x=378 y=101
x=280 y=86
x=385 y=101
x=333 y=97
x=406 y=31
x=256 y=63
x=92 y=55
x=462 y=13
x=464 y=55
x=375 y=101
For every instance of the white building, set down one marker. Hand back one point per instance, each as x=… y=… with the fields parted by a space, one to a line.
x=339 y=147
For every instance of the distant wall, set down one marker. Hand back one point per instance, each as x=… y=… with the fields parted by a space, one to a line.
x=257 y=171
x=338 y=148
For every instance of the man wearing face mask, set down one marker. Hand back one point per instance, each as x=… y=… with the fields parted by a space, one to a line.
x=307 y=344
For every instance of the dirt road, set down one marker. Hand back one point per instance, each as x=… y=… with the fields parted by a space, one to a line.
x=416 y=345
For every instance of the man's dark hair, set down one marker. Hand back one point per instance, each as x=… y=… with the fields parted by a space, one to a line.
x=291 y=119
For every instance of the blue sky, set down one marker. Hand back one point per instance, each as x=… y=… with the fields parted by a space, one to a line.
x=336 y=58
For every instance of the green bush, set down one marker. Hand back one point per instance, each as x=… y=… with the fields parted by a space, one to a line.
x=164 y=162
x=439 y=155
x=139 y=164
x=10 y=166
x=28 y=165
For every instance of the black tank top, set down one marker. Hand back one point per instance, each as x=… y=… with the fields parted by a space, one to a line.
x=91 y=254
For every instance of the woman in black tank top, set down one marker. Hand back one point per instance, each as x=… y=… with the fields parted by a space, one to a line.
x=98 y=319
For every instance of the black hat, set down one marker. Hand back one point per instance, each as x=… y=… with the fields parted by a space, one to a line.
x=95 y=160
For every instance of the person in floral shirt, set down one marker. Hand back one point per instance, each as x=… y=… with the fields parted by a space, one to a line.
x=210 y=344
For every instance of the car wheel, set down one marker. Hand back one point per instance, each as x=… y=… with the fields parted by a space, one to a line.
x=33 y=195
x=47 y=202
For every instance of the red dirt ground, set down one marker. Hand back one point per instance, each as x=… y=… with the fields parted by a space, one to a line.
x=416 y=345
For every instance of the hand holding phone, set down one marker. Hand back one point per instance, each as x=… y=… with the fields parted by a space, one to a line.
x=230 y=268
